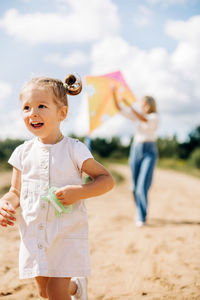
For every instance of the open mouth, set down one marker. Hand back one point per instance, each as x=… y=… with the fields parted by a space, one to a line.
x=37 y=125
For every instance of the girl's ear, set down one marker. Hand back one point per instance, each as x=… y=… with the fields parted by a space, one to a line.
x=63 y=113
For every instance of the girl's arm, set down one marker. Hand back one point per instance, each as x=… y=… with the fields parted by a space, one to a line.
x=135 y=112
x=10 y=201
x=102 y=183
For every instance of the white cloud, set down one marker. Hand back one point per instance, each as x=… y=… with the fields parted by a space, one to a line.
x=13 y=125
x=76 y=58
x=81 y=125
x=143 y=16
x=186 y=57
x=172 y=78
x=5 y=92
x=167 y=2
x=185 y=31
x=182 y=124
x=85 y=21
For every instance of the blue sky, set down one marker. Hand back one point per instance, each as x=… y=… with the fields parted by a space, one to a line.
x=155 y=43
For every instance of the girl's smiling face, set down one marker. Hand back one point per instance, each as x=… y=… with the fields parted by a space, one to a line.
x=41 y=114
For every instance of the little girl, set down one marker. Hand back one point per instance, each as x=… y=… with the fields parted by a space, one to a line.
x=53 y=249
x=143 y=154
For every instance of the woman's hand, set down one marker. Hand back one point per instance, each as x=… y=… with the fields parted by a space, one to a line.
x=114 y=90
x=6 y=213
x=115 y=98
x=126 y=102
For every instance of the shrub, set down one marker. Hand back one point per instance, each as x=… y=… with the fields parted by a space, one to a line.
x=195 y=158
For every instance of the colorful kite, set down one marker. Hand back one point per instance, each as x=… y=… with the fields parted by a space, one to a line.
x=100 y=97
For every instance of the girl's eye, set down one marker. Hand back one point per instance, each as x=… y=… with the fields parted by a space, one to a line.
x=41 y=106
x=26 y=107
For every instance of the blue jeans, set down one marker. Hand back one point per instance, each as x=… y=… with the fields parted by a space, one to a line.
x=142 y=161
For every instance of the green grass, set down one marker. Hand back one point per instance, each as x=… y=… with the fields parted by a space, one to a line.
x=164 y=163
x=178 y=165
x=4 y=166
x=107 y=161
x=118 y=178
x=4 y=190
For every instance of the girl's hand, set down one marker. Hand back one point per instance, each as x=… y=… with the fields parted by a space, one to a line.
x=6 y=213
x=67 y=194
x=101 y=183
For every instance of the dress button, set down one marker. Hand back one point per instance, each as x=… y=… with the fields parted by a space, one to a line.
x=41 y=226
x=44 y=165
x=43 y=205
x=40 y=246
x=25 y=194
x=45 y=187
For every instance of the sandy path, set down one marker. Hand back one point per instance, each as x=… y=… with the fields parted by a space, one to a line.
x=157 y=262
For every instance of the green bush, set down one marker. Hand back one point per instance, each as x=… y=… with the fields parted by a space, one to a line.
x=195 y=158
x=6 y=148
x=168 y=147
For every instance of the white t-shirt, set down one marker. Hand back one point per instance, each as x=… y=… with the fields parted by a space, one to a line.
x=145 y=131
x=50 y=245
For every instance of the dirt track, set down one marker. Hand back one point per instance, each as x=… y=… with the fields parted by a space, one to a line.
x=157 y=262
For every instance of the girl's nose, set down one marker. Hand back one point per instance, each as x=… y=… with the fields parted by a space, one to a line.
x=33 y=113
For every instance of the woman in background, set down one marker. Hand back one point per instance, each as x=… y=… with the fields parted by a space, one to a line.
x=143 y=153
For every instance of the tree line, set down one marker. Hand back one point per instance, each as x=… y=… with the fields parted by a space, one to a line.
x=113 y=148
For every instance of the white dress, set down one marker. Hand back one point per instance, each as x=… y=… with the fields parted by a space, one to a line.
x=51 y=246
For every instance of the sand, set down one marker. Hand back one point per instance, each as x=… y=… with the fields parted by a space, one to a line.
x=157 y=262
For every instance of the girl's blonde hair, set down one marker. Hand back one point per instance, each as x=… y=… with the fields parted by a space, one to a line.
x=72 y=85
x=152 y=104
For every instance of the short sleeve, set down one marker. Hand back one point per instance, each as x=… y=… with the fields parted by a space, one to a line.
x=81 y=153
x=16 y=157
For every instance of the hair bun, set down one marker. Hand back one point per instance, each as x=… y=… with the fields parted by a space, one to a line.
x=73 y=84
